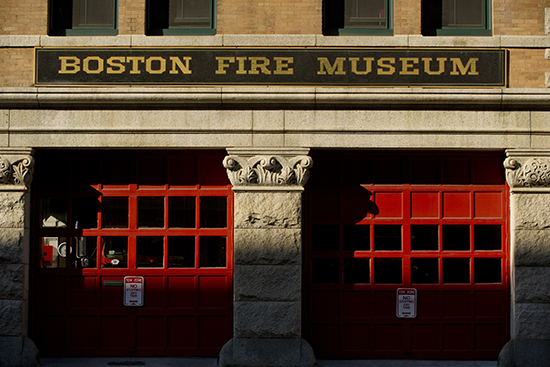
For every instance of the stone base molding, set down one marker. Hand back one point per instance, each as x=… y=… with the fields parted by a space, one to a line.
x=247 y=352
x=528 y=175
x=16 y=168
x=18 y=351
x=525 y=353
x=268 y=184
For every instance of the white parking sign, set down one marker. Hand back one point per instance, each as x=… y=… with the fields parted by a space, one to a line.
x=133 y=291
x=406 y=303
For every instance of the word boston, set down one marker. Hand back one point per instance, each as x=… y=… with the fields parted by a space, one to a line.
x=271 y=66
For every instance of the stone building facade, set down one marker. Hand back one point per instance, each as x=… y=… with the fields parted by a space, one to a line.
x=331 y=196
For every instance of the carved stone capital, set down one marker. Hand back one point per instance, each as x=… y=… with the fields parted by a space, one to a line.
x=525 y=169
x=16 y=167
x=272 y=168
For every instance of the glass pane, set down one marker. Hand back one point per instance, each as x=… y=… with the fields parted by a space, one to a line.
x=487 y=237
x=324 y=271
x=387 y=238
x=425 y=271
x=150 y=212
x=387 y=271
x=54 y=252
x=86 y=251
x=356 y=238
x=456 y=237
x=456 y=271
x=93 y=13
x=118 y=170
x=487 y=270
x=213 y=212
x=181 y=252
x=212 y=252
x=181 y=212
x=356 y=271
x=114 y=212
x=150 y=252
x=325 y=237
x=424 y=237
x=114 y=252
x=190 y=13
x=54 y=212
x=84 y=212
x=463 y=13
x=365 y=13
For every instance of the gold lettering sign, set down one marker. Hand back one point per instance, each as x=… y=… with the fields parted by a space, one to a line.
x=271 y=66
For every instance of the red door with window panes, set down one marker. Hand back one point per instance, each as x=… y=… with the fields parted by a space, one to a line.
x=105 y=215
x=436 y=223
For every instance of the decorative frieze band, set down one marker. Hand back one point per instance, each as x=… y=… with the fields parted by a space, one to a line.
x=533 y=172
x=268 y=170
x=18 y=172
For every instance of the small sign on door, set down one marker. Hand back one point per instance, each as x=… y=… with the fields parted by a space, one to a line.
x=406 y=303
x=133 y=291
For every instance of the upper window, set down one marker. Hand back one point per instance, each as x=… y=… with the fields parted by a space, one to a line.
x=351 y=17
x=181 y=17
x=456 y=17
x=83 y=17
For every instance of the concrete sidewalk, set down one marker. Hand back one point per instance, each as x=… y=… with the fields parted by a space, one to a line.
x=211 y=362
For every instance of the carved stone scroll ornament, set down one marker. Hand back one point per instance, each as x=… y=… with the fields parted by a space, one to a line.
x=534 y=172
x=268 y=170
x=16 y=173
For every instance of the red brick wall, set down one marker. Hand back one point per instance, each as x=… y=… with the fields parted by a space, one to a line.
x=519 y=17
x=131 y=17
x=23 y=17
x=407 y=16
x=269 y=17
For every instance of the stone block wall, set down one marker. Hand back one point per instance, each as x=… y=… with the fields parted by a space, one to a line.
x=267 y=246
x=16 y=349
x=527 y=175
x=531 y=277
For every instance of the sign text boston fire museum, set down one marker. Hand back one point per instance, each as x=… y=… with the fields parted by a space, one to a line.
x=270 y=66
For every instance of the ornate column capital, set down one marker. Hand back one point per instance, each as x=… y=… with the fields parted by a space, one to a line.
x=256 y=168
x=528 y=169
x=16 y=168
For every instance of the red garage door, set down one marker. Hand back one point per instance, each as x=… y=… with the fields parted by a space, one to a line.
x=104 y=216
x=434 y=223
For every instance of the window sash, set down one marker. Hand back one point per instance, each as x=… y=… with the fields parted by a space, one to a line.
x=93 y=14
x=464 y=14
x=358 y=17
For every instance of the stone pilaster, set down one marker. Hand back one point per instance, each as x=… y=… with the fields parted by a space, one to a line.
x=528 y=175
x=268 y=258
x=16 y=167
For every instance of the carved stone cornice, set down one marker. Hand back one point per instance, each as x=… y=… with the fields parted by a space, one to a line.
x=528 y=169
x=268 y=168
x=16 y=167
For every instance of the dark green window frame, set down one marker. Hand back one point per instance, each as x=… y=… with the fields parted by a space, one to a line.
x=432 y=21
x=334 y=26
x=61 y=21
x=158 y=21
